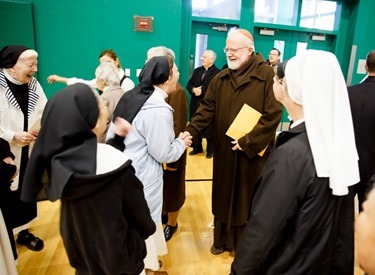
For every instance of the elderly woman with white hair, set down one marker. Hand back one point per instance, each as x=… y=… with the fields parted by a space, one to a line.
x=22 y=101
x=301 y=218
x=108 y=81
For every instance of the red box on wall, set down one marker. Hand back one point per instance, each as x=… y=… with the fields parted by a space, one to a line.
x=143 y=23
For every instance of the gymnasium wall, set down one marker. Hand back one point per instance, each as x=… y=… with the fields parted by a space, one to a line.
x=70 y=34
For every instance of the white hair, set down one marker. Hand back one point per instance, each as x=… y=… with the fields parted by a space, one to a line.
x=29 y=53
x=108 y=72
x=212 y=53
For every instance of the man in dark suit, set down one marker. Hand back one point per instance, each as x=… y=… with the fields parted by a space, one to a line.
x=197 y=86
x=362 y=102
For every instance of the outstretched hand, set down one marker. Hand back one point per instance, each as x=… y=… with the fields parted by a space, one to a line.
x=121 y=126
x=56 y=78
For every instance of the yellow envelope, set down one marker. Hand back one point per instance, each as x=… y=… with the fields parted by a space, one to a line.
x=244 y=122
x=36 y=126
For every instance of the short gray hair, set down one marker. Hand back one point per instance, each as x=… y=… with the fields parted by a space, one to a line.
x=109 y=73
x=212 y=53
x=161 y=51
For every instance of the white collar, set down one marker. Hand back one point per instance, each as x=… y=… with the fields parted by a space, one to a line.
x=159 y=93
x=10 y=78
x=297 y=122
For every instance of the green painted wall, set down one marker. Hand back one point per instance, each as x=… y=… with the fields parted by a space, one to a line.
x=70 y=34
x=19 y=17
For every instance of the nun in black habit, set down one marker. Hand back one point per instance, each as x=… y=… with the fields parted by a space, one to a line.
x=104 y=215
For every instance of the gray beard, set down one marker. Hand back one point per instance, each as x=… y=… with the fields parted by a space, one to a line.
x=234 y=65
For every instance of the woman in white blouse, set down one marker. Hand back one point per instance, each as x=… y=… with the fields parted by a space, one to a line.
x=105 y=56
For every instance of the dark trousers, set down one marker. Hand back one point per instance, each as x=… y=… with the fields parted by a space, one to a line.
x=199 y=148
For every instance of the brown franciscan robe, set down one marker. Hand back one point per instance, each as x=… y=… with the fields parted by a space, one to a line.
x=174 y=181
x=235 y=172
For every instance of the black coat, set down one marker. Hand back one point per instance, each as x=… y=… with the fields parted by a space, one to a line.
x=196 y=80
x=362 y=102
x=295 y=220
x=104 y=221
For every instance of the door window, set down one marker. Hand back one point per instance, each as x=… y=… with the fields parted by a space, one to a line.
x=276 y=12
x=318 y=14
x=314 y=14
x=200 y=47
x=222 y=9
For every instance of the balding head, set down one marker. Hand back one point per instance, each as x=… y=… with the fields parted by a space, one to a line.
x=238 y=49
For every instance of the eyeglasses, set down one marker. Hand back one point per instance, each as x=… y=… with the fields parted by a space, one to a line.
x=226 y=50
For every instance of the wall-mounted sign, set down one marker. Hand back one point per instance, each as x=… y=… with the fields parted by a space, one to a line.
x=143 y=23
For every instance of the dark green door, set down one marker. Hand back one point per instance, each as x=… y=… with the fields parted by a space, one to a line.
x=264 y=43
x=215 y=40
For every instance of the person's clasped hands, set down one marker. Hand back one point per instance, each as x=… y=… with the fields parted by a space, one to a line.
x=197 y=91
x=25 y=138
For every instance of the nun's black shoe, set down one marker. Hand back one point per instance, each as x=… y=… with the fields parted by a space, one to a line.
x=164 y=218
x=30 y=241
x=169 y=230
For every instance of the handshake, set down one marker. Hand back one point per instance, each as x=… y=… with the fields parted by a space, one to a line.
x=186 y=137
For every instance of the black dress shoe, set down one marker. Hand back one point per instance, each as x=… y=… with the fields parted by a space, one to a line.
x=194 y=152
x=169 y=230
x=208 y=156
x=217 y=250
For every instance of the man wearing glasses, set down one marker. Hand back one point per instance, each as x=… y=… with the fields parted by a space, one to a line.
x=274 y=57
x=237 y=163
